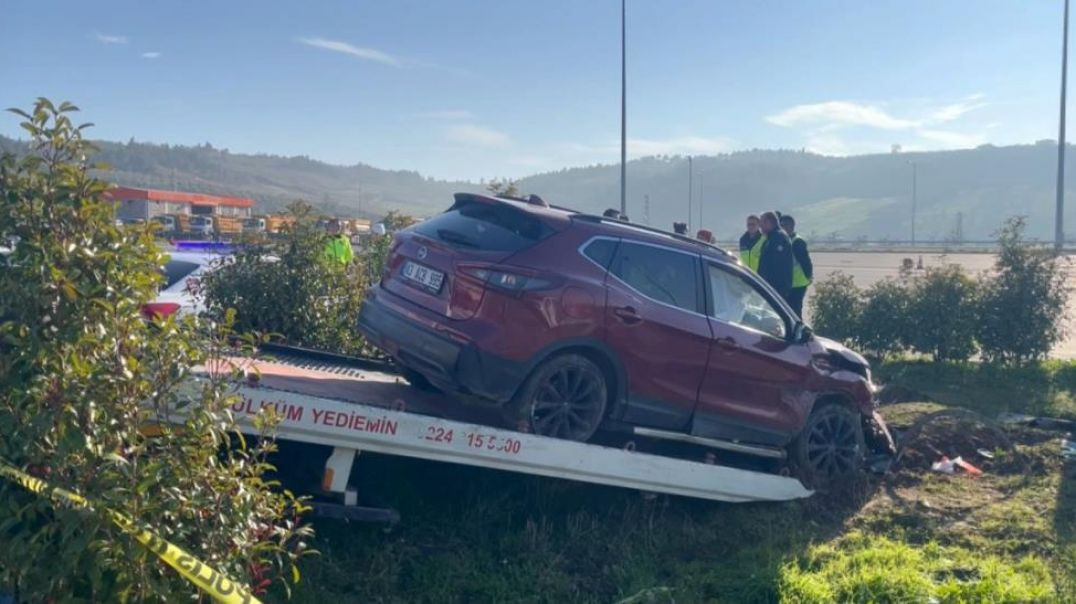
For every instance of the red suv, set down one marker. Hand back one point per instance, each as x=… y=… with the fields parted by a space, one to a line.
x=573 y=322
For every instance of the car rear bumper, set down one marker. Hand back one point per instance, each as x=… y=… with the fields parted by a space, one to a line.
x=451 y=363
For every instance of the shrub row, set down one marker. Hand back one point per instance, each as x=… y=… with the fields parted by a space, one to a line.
x=1012 y=315
x=290 y=290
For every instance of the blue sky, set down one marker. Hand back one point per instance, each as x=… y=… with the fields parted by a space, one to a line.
x=478 y=89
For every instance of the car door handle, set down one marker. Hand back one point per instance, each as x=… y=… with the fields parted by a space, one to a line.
x=727 y=343
x=627 y=314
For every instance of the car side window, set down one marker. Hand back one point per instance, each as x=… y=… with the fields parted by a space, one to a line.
x=600 y=251
x=737 y=301
x=667 y=276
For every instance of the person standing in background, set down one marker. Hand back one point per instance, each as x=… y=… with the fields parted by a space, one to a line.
x=802 y=268
x=751 y=243
x=775 y=259
x=338 y=247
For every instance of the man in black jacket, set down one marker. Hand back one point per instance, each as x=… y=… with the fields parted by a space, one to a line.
x=802 y=268
x=775 y=262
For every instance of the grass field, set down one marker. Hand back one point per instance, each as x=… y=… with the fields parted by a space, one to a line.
x=472 y=535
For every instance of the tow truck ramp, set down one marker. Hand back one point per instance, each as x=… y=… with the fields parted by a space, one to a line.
x=354 y=412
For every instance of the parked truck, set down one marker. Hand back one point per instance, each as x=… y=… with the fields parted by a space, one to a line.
x=255 y=225
x=227 y=226
x=271 y=223
x=201 y=225
x=169 y=224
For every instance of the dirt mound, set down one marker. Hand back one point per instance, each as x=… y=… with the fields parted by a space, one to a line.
x=955 y=433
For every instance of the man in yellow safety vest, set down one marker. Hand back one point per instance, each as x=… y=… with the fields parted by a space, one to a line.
x=339 y=246
x=802 y=268
x=751 y=243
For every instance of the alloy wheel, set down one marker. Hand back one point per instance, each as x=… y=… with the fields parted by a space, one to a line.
x=833 y=446
x=568 y=403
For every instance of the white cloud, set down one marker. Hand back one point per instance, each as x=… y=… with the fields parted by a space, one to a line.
x=847 y=127
x=366 y=54
x=839 y=113
x=151 y=55
x=107 y=39
x=954 y=111
x=473 y=135
x=446 y=114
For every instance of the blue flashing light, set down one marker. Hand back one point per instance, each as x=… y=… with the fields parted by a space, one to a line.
x=221 y=247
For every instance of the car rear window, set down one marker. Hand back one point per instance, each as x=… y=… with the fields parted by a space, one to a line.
x=485 y=226
x=175 y=270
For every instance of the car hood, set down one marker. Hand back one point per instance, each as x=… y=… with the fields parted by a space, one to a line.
x=836 y=348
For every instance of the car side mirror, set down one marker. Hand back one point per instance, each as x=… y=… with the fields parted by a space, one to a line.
x=801 y=333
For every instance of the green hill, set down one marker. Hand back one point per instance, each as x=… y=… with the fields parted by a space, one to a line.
x=846 y=197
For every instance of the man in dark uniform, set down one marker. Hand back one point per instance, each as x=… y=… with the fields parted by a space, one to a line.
x=802 y=268
x=776 y=261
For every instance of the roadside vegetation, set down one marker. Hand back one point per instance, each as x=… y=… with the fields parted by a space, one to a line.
x=1013 y=315
x=83 y=375
x=290 y=290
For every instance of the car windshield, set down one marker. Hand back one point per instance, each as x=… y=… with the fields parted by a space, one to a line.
x=174 y=270
x=485 y=226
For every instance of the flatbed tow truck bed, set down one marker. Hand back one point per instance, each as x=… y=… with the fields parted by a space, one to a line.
x=354 y=410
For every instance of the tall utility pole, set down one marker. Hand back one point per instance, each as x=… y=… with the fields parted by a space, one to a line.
x=1059 y=217
x=646 y=209
x=624 y=111
x=701 y=198
x=915 y=194
x=690 y=190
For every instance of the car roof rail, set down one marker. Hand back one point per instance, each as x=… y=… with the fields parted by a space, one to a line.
x=605 y=220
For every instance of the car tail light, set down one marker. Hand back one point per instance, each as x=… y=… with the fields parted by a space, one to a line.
x=159 y=310
x=397 y=241
x=509 y=281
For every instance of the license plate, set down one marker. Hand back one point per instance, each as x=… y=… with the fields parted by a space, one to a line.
x=424 y=276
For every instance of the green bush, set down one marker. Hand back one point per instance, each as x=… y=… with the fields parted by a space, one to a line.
x=942 y=316
x=884 y=324
x=836 y=306
x=291 y=288
x=81 y=373
x=1022 y=307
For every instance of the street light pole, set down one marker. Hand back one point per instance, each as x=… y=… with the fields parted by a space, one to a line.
x=701 y=198
x=915 y=195
x=690 y=191
x=623 y=111
x=1059 y=217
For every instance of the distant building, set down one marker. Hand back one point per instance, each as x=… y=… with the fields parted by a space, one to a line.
x=144 y=204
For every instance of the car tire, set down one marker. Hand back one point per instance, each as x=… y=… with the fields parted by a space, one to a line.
x=417 y=380
x=565 y=397
x=829 y=450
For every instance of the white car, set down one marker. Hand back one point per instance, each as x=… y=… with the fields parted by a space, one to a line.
x=181 y=275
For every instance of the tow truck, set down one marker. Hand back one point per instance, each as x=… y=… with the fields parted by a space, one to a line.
x=354 y=405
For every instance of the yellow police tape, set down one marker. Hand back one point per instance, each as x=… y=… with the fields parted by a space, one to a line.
x=216 y=584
